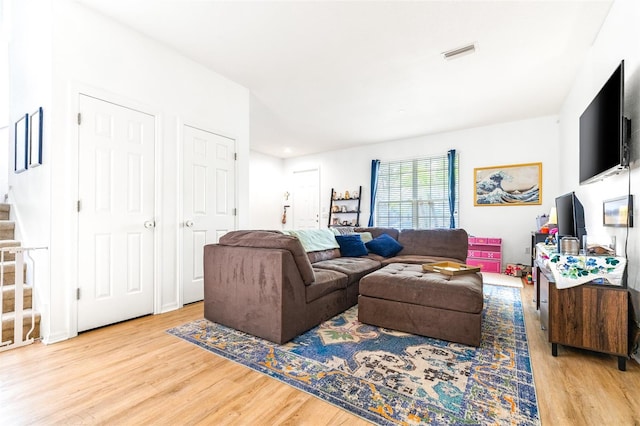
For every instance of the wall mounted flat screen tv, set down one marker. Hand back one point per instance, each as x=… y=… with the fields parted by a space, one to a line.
x=604 y=132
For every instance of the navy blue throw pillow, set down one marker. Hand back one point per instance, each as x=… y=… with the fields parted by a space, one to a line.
x=384 y=245
x=351 y=245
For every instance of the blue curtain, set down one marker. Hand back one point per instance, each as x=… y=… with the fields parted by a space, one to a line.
x=375 y=167
x=451 y=157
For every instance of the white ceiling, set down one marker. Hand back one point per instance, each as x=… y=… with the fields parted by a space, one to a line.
x=325 y=75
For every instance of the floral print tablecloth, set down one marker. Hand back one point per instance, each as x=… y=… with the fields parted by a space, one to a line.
x=570 y=271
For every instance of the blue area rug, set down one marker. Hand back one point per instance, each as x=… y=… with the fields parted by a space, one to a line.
x=389 y=377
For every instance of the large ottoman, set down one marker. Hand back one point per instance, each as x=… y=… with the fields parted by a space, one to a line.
x=403 y=297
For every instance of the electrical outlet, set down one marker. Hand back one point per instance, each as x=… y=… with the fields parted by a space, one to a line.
x=527 y=250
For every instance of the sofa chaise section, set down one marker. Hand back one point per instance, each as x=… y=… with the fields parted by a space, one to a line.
x=403 y=297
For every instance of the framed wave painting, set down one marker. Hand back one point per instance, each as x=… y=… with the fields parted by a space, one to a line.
x=515 y=185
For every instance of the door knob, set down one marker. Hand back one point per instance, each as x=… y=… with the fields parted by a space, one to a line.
x=189 y=224
x=149 y=224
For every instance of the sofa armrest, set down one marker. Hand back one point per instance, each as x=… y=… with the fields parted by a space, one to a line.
x=257 y=290
x=273 y=240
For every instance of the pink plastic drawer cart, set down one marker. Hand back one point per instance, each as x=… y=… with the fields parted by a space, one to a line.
x=486 y=253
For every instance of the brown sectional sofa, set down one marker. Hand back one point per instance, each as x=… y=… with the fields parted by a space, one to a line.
x=266 y=284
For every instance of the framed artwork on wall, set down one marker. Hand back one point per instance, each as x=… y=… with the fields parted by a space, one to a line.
x=511 y=185
x=35 y=138
x=618 y=212
x=20 y=141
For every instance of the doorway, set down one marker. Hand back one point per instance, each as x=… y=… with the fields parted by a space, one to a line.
x=306 y=199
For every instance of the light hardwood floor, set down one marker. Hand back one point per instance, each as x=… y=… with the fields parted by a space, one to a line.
x=135 y=373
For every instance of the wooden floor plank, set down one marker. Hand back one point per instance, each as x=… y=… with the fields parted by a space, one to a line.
x=136 y=373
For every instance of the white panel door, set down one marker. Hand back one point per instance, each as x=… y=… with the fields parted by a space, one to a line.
x=116 y=213
x=306 y=196
x=209 y=201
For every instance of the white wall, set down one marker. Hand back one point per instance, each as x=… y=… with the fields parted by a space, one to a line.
x=30 y=72
x=93 y=55
x=4 y=101
x=4 y=161
x=618 y=39
x=527 y=141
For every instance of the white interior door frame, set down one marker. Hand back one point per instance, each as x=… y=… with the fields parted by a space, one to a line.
x=180 y=230
x=76 y=89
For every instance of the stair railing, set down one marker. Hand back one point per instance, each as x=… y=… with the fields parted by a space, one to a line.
x=18 y=321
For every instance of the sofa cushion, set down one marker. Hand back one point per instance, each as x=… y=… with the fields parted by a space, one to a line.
x=365 y=236
x=451 y=243
x=315 y=239
x=342 y=230
x=354 y=267
x=317 y=256
x=351 y=245
x=377 y=231
x=272 y=240
x=416 y=259
x=384 y=245
x=326 y=282
x=377 y=257
x=409 y=284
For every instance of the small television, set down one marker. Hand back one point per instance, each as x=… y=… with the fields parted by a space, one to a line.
x=570 y=217
x=604 y=132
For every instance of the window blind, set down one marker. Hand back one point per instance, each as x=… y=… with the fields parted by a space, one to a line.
x=413 y=194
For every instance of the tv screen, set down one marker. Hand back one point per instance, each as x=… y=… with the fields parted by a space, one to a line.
x=602 y=133
x=570 y=217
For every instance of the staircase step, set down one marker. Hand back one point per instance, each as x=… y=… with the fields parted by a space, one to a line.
x=7 y=230
x=9 y=298
x=8 y=320
x=9 y=243
x=10 y=272
x=4 y=211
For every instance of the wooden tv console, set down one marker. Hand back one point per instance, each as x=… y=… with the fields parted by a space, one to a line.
x=588 y=316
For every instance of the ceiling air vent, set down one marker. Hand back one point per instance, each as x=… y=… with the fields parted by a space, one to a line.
x=460 y=51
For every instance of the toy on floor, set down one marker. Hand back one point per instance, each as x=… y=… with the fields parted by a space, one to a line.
x=513 y=270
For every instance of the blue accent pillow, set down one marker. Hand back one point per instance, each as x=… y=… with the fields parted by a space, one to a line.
x=384 y=245
x=351 y=245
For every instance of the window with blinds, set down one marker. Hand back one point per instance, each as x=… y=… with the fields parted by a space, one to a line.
x=414 y=194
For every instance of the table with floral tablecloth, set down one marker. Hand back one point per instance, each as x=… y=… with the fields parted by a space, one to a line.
x=571 y=270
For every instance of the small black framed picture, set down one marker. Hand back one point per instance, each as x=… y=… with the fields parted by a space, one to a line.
x=35 y=139
x=21 y=140
x=618 y=212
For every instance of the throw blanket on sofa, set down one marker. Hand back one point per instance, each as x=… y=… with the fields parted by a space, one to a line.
x=315 y=239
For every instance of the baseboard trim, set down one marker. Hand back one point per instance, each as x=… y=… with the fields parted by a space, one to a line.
x=55 y=338
x=169 y=307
